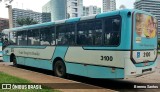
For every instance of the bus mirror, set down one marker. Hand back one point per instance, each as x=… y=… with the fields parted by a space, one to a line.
x=129 y=14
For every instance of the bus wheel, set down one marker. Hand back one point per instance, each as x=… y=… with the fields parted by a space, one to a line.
x=14 y=61
x=59 y=69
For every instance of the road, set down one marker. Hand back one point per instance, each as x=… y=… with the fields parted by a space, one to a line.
x=84 y=84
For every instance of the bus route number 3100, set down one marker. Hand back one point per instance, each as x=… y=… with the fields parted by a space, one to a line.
x=106 y=58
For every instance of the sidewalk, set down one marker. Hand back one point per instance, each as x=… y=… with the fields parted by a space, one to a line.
x=43 y=78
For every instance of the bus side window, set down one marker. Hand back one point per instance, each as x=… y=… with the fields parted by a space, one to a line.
x=60 y=31
x=22 y=38
x=65 y=34
x=5 y=42
x=90 y=33
x=47 y=36
x=33 y=37
x=13 y=38
x=112 y=31
x=70 y=34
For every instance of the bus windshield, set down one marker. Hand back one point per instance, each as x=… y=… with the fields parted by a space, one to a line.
x=145 y=38
x=145 y=33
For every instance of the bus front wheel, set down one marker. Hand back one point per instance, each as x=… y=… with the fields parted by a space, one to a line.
x=59 y=69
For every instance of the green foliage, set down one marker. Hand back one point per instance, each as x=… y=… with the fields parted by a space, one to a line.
x=11 y=79
x=26 y=21
x=5 y=78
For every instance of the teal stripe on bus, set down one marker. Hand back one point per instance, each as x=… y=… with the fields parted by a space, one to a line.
x=112 y=13
x=94 y=71
x=6 y=58
x=60 y=51
x=32 y=26
x=38 y=63
x=72 y=20
x=35 y=47
x=1 y=52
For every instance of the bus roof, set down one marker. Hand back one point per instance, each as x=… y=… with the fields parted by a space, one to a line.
x=100 y=15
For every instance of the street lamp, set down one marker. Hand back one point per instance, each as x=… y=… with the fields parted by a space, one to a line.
x=9 y=6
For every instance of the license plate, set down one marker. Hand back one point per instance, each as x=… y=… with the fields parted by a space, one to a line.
x=146 y=70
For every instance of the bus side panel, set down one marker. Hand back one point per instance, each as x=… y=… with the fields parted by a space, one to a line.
x=1 y=52
x=126 y=31
x=104 y=72
x=6 y=58
x=1 y=55
x=60 y=51
x=94 y=71
x=38 y=63
x=88 y=63
x=77 y=69
x=40 y=57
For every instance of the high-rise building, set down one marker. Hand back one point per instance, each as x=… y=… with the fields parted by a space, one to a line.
x=4 y=24
x=152 y=6
x=47 y=7
x=109 y=5
x=21 y=13
x=56 y=9
x=74 y=8
x=46 y=17
x=90 y=10
x=62 y=9
x=46 y=12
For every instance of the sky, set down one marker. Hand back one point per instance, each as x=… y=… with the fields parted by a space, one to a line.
x=36 y=5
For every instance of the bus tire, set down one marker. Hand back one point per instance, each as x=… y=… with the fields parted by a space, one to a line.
x=13 y=59
x=60 y=69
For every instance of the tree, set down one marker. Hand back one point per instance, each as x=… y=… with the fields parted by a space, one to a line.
x=26 y=21
x=122 y=7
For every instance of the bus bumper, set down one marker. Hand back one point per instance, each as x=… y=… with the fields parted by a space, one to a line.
x=132 y=71
x=138 y=75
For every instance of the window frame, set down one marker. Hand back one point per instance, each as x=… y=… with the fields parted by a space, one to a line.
x=17 y=39
x=54 y=29
x=91 y=20
x=103 y=31
x=75 y=32
x=120 y=30
x=102 y=20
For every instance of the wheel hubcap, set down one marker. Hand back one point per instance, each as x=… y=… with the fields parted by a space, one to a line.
x=59 y=70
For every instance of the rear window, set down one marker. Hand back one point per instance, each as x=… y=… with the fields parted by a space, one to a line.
x=146 y=25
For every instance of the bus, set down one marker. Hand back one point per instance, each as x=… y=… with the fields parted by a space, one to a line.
x=117 y=44
x=1 y=40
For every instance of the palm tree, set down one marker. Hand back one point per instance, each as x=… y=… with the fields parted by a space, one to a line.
x=26 y=21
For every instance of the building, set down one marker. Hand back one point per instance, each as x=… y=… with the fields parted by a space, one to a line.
x=46 y=17
x=74 y=8
x=46 y=12
x=62 y=9
x=56 y=9
x=47 y=7
x=90 y=10
x=109 y=5
x=4 y=24
x=21 y=13
x=152 y=6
